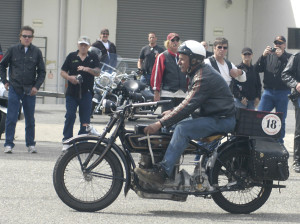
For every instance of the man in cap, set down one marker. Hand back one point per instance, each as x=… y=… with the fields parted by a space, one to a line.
x=275 y=94
x=247 y=94
x=79 y=69
x=167 y=81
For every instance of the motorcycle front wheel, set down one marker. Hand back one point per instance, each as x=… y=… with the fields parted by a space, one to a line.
x=247 y=197
x=91 y=191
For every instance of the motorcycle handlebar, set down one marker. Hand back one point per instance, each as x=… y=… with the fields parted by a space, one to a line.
x=157 y=103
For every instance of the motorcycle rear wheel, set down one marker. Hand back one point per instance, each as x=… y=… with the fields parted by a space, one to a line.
x=240 y=201
x=91 y=191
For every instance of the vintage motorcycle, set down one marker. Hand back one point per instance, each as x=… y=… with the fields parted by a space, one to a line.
x=237 y=174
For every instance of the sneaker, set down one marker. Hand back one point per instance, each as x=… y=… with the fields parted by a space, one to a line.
x=65 y=147
x=151 y=176
x=32 y=149
x=296 y=167
x=8 y=149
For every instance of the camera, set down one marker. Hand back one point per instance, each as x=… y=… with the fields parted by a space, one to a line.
x=273 y=49
x=79 y=79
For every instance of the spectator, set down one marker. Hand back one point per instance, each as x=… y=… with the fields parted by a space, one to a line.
x=208 y=53
x=275 y=94
x=108 y=49
x=1 y=53
x=80 y=90
x=147 y=58
x=167 y=80
x=247 y=94
x=291 y=76
x=26 y=75
x=227 y=69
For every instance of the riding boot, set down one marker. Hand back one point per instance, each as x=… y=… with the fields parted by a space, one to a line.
x=296 y=164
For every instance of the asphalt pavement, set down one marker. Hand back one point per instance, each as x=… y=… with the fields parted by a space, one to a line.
x=27 y=194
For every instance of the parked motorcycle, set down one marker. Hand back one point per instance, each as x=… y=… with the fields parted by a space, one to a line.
x=238 y=174
x=116 y=85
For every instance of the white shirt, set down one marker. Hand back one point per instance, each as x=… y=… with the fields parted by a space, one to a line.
x=224 y=70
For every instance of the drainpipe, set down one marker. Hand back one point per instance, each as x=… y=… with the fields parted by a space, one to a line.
x=61 y=51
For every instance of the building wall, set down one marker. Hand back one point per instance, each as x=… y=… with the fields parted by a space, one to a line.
x=62 y=22
x=252 y=23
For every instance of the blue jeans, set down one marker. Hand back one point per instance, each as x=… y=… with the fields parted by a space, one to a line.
x=85 y=105
x=13 y=107
x=277 y=99
x=146 y=79
x=250 y=104
x=193 y=129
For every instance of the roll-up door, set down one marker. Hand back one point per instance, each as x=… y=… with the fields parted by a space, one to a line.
x=136 y=18
x=10 y=22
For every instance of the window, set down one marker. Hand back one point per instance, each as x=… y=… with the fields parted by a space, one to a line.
x=294 y=38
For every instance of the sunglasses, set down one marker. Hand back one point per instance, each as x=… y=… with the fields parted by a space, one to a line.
x=27 y=36
x=105 y=34
x=278 y=42
x=247 y=54
x=175 y=39
x=220 y=47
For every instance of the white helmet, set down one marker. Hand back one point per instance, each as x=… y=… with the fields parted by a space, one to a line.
x=194 y=50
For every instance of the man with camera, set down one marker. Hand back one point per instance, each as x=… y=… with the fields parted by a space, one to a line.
x=291 y=76
x=79 y=68
x=275 y=94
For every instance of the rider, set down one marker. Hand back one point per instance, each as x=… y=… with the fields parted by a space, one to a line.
x=209 y=103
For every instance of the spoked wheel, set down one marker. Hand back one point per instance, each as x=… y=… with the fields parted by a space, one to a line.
x=91 y=191
x=246 y=197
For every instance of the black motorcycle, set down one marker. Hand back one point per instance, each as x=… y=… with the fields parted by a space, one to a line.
x=116 y=85
x=237 y=174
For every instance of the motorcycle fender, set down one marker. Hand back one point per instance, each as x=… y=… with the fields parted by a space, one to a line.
x=237 y=143
x=234 y=144
x=115 y=148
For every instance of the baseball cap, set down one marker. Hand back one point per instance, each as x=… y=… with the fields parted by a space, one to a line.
x=280 y=39
x=172 y=35
x=247 y=50
x=84 y=40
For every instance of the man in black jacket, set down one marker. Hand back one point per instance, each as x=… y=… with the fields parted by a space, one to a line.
x=107 y=48
x=26 y=75
x=247 y=94
x=211 y=111
x=291 y=76
x=275 y=94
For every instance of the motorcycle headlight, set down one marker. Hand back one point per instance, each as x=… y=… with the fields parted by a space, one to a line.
x=108 y=106
x=104 y=81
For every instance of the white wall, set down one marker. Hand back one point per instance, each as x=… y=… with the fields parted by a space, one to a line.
x=231 y=21
x=83 y=17
x=252 y=23
x=272 y=18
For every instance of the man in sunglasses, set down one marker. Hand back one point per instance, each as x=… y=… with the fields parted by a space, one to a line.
x=26 y=75
x=167 y=81
x=275 y=94
x=226 y=68
x=107 y=48
x=247 y=94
